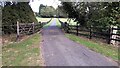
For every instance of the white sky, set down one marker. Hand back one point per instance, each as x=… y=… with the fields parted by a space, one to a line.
x=36 y=3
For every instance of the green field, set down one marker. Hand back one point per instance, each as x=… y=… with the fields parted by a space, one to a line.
x=24 y=53
x=65 y=20
x=42 y=19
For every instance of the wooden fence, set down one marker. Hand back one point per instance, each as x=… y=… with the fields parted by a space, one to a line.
x=28 y=28
x=24 y=28
x=90 y=32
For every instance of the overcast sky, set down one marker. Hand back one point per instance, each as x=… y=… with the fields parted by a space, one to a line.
x=35 y=4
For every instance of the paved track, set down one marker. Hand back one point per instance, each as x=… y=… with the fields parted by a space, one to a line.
x=60 y=51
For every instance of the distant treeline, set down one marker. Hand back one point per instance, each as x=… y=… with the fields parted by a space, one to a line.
x=50 y=11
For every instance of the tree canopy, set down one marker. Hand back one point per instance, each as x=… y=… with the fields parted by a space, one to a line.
x=60 y=12
x=101 y=14
x=46 y=11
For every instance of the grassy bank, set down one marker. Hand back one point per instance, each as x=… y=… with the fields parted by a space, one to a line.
x=48 y=24
x=104 y=49
x=58 y=23
x=24 y=53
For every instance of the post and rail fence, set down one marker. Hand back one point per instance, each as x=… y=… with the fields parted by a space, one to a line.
x=28 y=28
x=91 y=32
x=25 y=28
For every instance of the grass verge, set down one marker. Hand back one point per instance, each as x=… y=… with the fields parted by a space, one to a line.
x=48 y=24
x=58 y=23
x=106 y=50
x=24 y=53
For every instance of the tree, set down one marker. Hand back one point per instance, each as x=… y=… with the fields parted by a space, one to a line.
x=101 y=14
x=13 y=12
x=40 y=7
x=48 y=11
x=60 y=12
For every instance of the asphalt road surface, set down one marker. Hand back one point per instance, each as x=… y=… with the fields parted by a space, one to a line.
x=58 y=50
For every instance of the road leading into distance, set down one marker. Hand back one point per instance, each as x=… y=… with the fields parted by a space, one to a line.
x=58 y=50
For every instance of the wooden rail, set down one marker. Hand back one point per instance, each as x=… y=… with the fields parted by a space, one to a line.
x=92 y=31
x=21 y=29
x=27 y=28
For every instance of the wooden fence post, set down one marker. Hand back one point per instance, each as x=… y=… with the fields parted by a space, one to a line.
x=77 y=30
x=62 y=25
x=68 y=28
x=40 y=24
x=18 y=33
x=90 y=32
x=33 y=25
x=109 y=36
x=65 y=27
